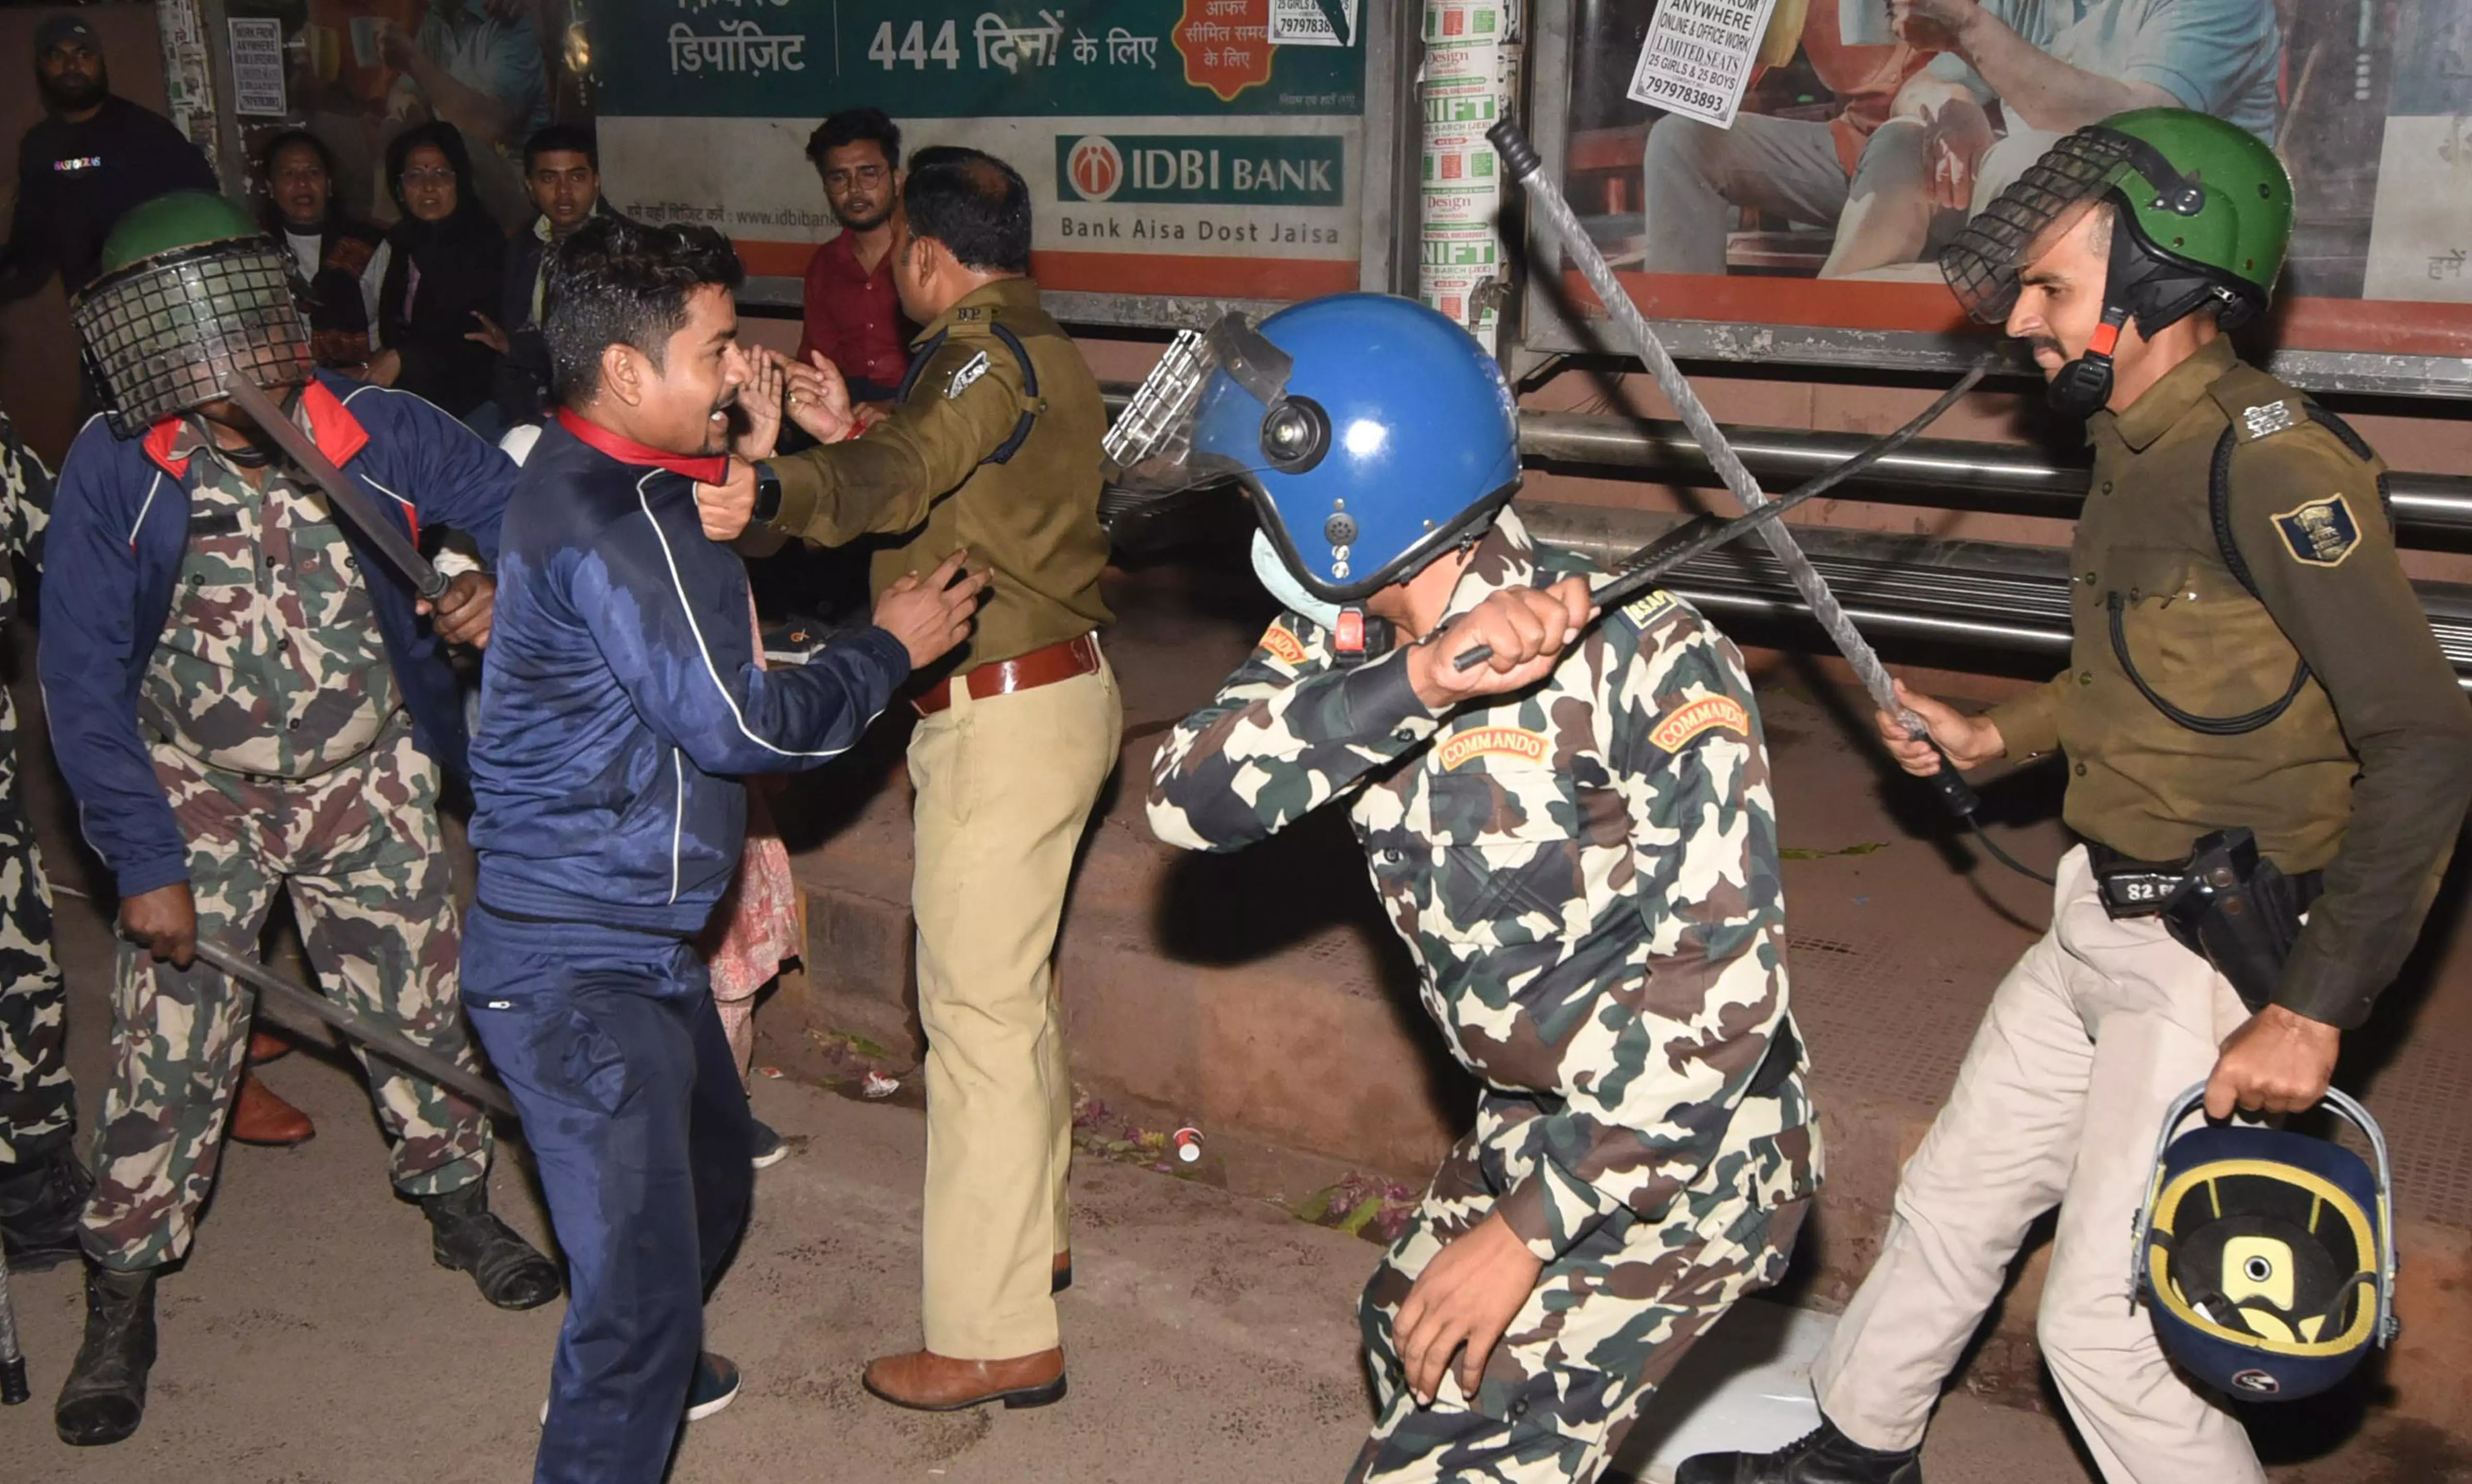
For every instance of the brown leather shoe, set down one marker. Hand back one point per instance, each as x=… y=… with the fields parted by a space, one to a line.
x=265 y=1046
x=260 y=1118
x=1063 y=1274
x=925 y=1381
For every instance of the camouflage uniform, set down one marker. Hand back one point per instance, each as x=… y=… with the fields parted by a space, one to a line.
x=1586 y=873
x=282 y=747
x=37 y=1105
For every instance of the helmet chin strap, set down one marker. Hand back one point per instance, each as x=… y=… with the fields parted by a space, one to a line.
x=2144 y=285
x=2085 y=385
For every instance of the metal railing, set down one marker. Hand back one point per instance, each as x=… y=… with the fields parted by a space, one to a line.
x=2434 y=509
x=1954 y=473
x=1978 y=595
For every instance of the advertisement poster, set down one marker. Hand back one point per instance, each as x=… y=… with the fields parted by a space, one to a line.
x=1171 y=147
x=1863 y=145
x=257 y=68
x=1698 y=57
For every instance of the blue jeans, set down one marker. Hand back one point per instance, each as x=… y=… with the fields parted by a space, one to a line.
x=633 y=1107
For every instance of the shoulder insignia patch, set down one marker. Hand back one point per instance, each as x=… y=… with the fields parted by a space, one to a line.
x=1707 y=714
x=2267 y=417
x=969 y=372
x=1283 y=645
x=1492 y=741
x=2321 y=533
x=1648 y=609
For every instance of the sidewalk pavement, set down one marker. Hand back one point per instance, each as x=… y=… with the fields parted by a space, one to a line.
x=310 y=1340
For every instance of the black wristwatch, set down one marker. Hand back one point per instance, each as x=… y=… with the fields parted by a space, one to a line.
x=768 y=494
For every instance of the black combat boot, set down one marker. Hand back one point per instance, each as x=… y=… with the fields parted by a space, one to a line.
x=1823 y=1455
x=105 y=1396
x=40 y=1200
x=464 y=1235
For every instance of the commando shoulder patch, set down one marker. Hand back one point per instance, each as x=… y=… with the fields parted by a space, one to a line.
x=1283 y=645
x=1707 y=714
x=1492 y=741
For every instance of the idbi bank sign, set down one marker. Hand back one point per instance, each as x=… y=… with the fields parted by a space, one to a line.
x=1200 y=170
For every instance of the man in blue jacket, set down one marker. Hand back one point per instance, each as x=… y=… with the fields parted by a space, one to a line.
x=244 y=699
x=621 y=703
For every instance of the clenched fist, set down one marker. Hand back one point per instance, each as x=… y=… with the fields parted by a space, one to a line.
x=1527 y=628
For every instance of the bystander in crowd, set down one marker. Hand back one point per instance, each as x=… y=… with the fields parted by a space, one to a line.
x=340 y=261
x=446 y=265
x=852 y=311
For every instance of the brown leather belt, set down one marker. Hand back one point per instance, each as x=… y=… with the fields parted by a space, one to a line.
x=1022 y=673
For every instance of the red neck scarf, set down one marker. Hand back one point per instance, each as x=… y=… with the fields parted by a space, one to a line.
x=712 y=469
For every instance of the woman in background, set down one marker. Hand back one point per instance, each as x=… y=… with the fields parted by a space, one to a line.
x=446 y=259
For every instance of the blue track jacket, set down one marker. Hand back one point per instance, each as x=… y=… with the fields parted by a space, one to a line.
x=120 y=531
x=621 y=698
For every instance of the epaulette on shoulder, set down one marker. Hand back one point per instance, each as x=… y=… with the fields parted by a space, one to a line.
x=1657 y=609
x=2257 y=404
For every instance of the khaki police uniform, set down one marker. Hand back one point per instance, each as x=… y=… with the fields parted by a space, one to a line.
x=2186 y=708
x=993 y=446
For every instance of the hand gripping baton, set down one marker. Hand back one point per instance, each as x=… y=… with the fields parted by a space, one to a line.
x=1519 y=157
x=351 y=502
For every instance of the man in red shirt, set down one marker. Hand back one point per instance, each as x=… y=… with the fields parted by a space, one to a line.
x=852 y=313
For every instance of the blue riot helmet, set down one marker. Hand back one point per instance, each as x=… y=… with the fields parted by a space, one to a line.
x=1370 y=433
x=2267 y=1257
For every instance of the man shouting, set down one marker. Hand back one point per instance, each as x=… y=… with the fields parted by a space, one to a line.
x=621 y=706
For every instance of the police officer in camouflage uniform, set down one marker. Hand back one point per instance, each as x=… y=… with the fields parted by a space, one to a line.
x=1578 y=843
x=42 y=1186
x=2257 y=722
x=244 y=700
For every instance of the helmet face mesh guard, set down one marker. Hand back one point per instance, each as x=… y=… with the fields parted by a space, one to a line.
x=1983 y=263
x=161 y=335
x=1150 y=448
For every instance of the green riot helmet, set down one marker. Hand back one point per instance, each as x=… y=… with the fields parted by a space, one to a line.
x=2202 y=218
x=192 y=293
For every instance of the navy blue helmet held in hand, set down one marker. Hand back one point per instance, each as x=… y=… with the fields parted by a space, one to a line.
x=2266 y=1256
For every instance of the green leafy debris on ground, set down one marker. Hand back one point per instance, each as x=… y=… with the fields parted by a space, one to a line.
x=851 y=1043
x=1798 y=853
x=1361 y=1205
x=1102 y=1131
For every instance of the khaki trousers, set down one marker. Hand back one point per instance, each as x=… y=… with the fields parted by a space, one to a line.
x=2059 y=1099
x=1004 y=787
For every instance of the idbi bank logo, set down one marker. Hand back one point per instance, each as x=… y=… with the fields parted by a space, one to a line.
x=1200 y=170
